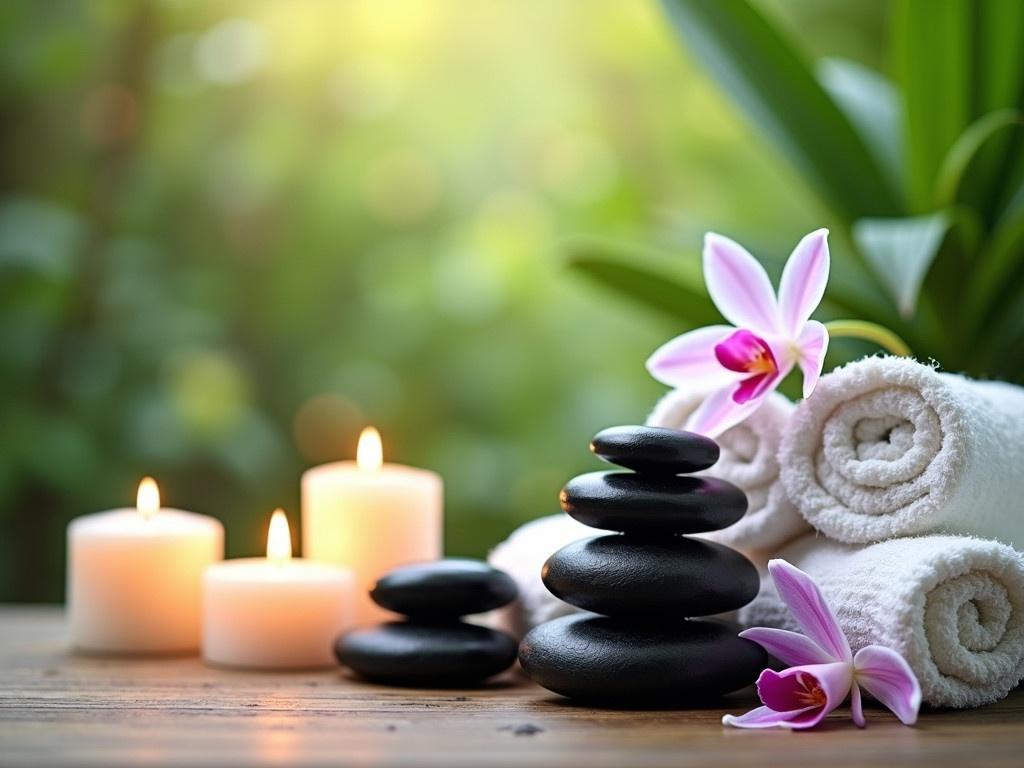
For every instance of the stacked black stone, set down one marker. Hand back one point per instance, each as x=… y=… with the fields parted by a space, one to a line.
x=433 y=647
x=648 y=579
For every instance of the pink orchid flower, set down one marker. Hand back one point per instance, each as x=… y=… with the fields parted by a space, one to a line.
x=826 y=670
x=743 y=363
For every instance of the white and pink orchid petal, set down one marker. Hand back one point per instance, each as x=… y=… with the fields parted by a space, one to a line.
x=763 y=717
x=788 y=647
x=813 y=344
x=739 y=286
x=818 y=688
x=803 y=281
x=810 y=611
x=887 y=676
x=690 y=360
x=756 y=387
x=720 y=412
x=857 y=706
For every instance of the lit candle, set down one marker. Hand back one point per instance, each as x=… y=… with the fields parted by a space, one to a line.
x=371 y=517
x=276 y=612
x=135 y=574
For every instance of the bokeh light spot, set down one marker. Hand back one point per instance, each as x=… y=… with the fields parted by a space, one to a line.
x=231 y=52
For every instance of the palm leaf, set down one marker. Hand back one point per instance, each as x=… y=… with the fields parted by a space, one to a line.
x=774 y=86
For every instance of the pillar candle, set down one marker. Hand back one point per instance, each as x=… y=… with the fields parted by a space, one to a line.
x=134 y=576
x=371 y=517
x=275 y=612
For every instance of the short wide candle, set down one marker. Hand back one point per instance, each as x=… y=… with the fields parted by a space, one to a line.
x=275 y=612
x=134 y=576
x=371 y=517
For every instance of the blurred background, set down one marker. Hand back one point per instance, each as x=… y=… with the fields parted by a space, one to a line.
x=234 y=233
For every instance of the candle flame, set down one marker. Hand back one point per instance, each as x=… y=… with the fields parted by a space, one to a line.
x=279 y=538
x=370 y=453
x=147 y=501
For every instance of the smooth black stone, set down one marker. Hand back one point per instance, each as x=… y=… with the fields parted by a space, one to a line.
x=444 y=589
x=625 y=661
x=629 y=576
x=655 y=449
x=631 y=502
x=439 y=655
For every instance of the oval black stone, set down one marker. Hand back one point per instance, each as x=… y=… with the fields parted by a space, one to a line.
x=630 y=502
x=655 y=449
x=444 y=588
x=429 y=655
x=624 y=576
x=622 y=661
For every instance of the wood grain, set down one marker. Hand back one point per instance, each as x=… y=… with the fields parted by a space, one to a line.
x=59 y=709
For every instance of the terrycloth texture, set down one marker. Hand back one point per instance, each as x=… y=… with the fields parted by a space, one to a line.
x=953 y=606
x=749 y=460
x=522 y=556
x=889 y=447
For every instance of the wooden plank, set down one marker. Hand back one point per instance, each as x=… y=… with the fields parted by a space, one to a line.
x=60 y=709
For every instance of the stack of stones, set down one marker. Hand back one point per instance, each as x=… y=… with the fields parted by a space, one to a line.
x=433 y=647
x=647 y=580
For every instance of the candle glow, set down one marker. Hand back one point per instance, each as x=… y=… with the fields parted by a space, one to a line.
x=370 y=452
x=279 y=538
x=147 y=500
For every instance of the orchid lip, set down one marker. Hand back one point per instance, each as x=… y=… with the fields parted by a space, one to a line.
x=744 y=352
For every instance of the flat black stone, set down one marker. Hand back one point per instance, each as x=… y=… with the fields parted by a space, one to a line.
x=631 y=502
x=444 y=589
x=628 y=576
x=655 y=449
x=623 y=661
x=426 y=655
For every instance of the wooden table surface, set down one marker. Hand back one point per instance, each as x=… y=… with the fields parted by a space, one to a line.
x=60 y=709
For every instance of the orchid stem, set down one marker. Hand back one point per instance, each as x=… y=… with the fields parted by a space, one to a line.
x=860 y=329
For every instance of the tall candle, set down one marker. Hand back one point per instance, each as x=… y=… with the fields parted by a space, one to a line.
x=134 y=576
x=275 y=612
x=371 y=517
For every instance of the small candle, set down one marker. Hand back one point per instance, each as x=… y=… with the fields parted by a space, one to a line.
x=135 y=575
x=275 y=612
x=371 y=517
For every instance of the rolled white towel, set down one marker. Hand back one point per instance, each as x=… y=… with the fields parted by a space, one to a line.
x=953 y=606
x=522 y=556
x=749 y=460
x=889 y=447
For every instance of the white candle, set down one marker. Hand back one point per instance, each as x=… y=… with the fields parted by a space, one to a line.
x=371 y=517
x=275 y=612
x=134 y=576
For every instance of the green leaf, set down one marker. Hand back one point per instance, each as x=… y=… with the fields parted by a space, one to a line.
x=772 y=83
x=932 y=46
x=996 y=272
x=901 y=251
x=643 y=276
x=967 y=148
x=872 y=105
x=999 y=74
x=998 y=84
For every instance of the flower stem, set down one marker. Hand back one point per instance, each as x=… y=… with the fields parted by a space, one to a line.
x=860 y=329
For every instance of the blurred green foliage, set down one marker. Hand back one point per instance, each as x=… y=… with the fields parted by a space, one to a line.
x=233 y=233
x=922 y=164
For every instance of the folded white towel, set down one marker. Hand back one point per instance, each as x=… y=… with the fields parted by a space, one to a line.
x=522 y=556
x=953 y=606
x=888 y=447
x=749 y=460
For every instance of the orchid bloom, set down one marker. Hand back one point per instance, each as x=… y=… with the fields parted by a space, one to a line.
x=743 y=363
x=826 y=670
